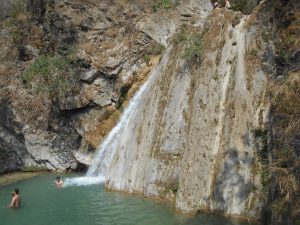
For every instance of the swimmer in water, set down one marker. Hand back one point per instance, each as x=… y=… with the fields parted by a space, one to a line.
x=16 y=199
x=59 y=183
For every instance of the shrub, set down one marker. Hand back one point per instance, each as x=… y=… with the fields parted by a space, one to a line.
x=194 y=47
x=259 y=132
x=245 y=6
x=164 y=4
x=49 y=73
x=192 y=42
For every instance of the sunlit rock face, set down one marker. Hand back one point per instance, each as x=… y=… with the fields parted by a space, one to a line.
x=189 y=138
x=187 y=135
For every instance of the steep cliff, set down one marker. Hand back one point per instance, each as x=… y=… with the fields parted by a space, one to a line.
x=214 y=126
x=191 y=137
x=66 y=70
x=200 y=133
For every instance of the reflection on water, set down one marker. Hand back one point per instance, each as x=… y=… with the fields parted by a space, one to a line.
x=44 y=204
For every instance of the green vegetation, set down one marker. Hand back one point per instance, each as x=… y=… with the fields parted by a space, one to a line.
x=192 y=42
x=245 y=6
x=146 y=58
x=164 y=4
x=283 y=55
x=194 y=47
x=259 y=132
x=261 y=162
x=216 y=77
x=52 y=74
x=260 y=168
x=181 y=36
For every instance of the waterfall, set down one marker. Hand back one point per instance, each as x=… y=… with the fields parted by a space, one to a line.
x=97 y=170
x=106 y=151
x=101 y=162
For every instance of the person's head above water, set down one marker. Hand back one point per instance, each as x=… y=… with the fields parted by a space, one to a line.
x=15 y=191
x=58 y=178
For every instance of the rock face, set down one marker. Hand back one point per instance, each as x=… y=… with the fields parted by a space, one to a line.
x=98 y=58
x=68 y=67
x=191 y=139
x=198 y=131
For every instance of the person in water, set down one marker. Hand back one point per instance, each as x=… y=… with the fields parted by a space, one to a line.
x=59 y=183
x=16 y=199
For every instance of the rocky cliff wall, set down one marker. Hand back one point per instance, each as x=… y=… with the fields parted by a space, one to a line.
x=68 y=69
x=66 y=72
x=201 y=135
x=191 y=140
x=204 y=132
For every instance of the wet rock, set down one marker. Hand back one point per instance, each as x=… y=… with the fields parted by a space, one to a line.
x=83 y=158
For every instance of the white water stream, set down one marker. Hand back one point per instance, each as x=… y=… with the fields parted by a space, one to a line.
x=97 y=170
x=101 y=162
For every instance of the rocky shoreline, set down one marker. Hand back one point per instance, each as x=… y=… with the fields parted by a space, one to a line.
x=10 y=178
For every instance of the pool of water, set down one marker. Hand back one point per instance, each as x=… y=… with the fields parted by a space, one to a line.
x=44 y=204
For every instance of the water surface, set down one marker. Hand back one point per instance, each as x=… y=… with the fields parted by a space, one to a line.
x=44 y=204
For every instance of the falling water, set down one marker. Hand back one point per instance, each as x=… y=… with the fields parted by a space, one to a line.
x=106 y=151
x=101 y=162
x=102 y=159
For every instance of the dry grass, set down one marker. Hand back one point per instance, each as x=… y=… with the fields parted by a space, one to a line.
x=285 y=110
x=287 y=183
x=96 y=135
x=142 y=75
x=285 y=98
